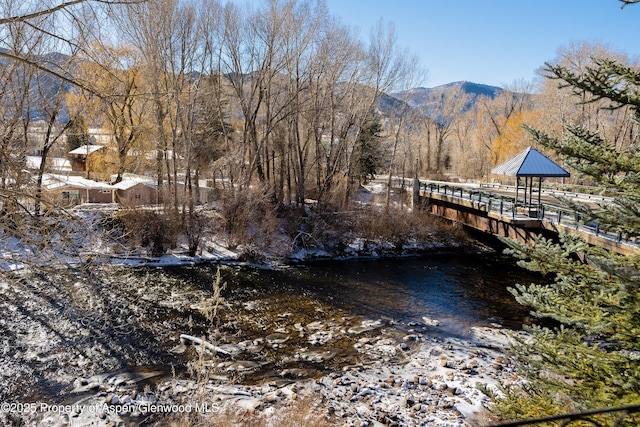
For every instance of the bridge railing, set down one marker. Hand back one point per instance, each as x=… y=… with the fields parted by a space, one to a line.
x=508 y=207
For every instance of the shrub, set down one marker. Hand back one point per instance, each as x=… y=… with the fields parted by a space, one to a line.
x=400 y=227
x=325 y=226
x=250 y=222
x=157 y=230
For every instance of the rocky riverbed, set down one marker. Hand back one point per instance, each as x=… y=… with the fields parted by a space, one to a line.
x=417 y=380
x=142 y=347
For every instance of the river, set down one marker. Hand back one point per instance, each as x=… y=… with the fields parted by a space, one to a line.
x=439 y=294
x=273 y=326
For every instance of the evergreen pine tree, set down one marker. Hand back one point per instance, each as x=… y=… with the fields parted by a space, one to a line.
x=77 y=133
x=368 y=152
x=592 y=359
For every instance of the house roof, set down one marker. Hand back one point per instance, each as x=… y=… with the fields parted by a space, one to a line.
x=130 y=180
x=86 y=149
x=528 y=163
x=56 y=163
x=53 y=181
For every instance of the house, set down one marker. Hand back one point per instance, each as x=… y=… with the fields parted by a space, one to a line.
x=81 y=155
x=135 y=190
x=74 y=190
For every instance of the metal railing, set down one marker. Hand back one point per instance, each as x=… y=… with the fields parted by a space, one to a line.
x=613 y=417
x=508 y=207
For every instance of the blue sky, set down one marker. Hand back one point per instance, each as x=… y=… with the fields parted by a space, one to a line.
x=496 y=42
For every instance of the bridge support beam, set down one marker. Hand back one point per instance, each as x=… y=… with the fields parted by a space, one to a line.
x=415 y=193
x=481 y=221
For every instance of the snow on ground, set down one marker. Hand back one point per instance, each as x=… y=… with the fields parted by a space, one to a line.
x=60 y=335
x=420 y=379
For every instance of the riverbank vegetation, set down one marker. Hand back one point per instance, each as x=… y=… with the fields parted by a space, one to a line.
x=258 y=230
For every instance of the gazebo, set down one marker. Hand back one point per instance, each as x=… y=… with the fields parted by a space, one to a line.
x=530 y=164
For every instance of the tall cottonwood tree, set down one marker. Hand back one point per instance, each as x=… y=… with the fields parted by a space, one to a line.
x=591 y=361
x=496 y=114
x=334 y=85
x=121 y=109
x=441 y=113
x=465 y=157
x=563 y=106
x=402 y=125
x=513 y=138
x=16 y=113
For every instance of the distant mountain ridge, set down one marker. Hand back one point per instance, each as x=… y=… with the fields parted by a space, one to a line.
x=421 y=96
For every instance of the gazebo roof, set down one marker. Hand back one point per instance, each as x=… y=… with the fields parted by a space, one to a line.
x=528 y=163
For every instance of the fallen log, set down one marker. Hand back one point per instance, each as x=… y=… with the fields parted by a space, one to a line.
x=189 y=339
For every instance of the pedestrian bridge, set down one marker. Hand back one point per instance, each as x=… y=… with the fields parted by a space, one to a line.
x=490 y=208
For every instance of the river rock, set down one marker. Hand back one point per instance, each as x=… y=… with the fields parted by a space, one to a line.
x=249 y=404
x=316 y=356
x=320 y=338
x=315 y=325
x=276 y=338
x=365 y=326
x=271 y=398
x=241 y=365
x=296 y=373
x=200 y=343
x=430 y=322
x=179 y=349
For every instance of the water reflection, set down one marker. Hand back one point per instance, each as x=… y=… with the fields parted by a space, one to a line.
x=459 y=290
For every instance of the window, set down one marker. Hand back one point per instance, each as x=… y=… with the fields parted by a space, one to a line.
x=72 y=196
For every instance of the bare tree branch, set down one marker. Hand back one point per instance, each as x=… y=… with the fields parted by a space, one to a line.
x=65 y=5
x=628 y=2
x=62 y=77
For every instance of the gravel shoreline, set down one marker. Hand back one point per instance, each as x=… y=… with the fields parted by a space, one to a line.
x=419 y=379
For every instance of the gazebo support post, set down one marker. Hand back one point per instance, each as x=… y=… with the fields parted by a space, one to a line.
x=530 y=192
x=539 y=190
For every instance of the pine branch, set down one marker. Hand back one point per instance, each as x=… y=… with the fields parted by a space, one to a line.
x=606 y=79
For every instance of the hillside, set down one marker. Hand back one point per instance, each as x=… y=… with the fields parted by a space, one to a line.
x=421 y=96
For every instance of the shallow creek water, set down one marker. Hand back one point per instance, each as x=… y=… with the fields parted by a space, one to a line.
x=303 y=320
x=295 y=322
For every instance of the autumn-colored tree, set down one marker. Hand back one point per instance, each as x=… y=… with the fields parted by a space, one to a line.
x=513 y=138
x=121 y=109
x=561 y=105
x=102 y=165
